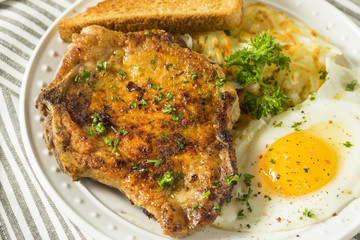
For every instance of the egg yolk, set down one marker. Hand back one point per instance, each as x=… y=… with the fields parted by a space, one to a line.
x=298 y=164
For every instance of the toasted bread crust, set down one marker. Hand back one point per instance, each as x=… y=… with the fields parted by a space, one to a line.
x=132 y=15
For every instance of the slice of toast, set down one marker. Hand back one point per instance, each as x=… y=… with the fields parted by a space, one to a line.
x=176 y=16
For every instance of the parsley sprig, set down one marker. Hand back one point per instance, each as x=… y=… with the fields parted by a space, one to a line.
x=250 y=63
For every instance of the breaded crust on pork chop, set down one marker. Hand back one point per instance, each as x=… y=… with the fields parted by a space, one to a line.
x=144 y=114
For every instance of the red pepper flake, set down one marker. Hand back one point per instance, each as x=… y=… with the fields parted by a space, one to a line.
x=327 y=161
x=334 y=214
x=278 y=219
x=290 y=202
x=183 y=122
x=316 y=179
x=261 y=156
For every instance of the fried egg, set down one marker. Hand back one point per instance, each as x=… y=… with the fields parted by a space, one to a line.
x=301 y=166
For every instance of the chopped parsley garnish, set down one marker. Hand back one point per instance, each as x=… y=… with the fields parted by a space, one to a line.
x=169 y=96
x=157 y=162
x=152 y=61
x=323 y=74
x=250 y=63
x=272 y=161
x=219 y=93
x=137 y=67
x=217 y=207
x=220 y=81
x=351 y=86
x=160 y=96
x=245 y=197
x=147 y=33
x=99 y=128
x=132 y=105
x=180 y=144
x=177 y=116
x=168 y=109
x=134 y=166
x=163 y=135
x=206 y=194
x=143 y=102
x=84 y=76
x=241 y=213
x=114 y=98
x=197 y=206
x=116 y=142
x=113 y=85
x=231 y=180
x=279 y=124
x=122 y=73
x=348 y=144
x=102 y=66
x=295 y=125
x=309 y=214
x=108 y=141
x=194 y=76
x=121 y=131
x=168 y=180
x=155 y=87
x=90 y=132
x=227 y=33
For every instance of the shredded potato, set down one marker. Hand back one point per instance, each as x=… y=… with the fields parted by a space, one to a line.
x=303 y=45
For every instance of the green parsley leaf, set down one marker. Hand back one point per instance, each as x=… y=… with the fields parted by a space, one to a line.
x=169 y=96
x=270 y=102
x=180 y=144
x=147 y=33
x=323 y=74
x=154 y=86
x=143 y=102
x=99 y=128
x=160 y=96
x=247 y=179
x=241 y=213
x=231 y=180
x=309 y=214
x=217 y=207
x=295 y=125
x=157 y=162
x=348 y=144
x=168 y=109
x=84 y=76
x=272 y=161
x=206 y=194
x=194 y=76
x=279 y=124
x=123 y=131
x=220 y=82
x=177 y=116
x=134 y=166
x=351 y=86
x=137 y=67
x=90 y=132
x=152 y=61
x=167 y=180
x=227 y=33
x=250 y=63
x=108 y=141
x=102 y=66
x=163 y=135
x=132 y=105
x=116 y=142
x=122 y=73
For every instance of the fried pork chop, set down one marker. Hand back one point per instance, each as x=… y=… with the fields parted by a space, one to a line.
x=144 y=114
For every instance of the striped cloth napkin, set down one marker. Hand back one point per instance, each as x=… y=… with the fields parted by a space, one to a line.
x=26 y=210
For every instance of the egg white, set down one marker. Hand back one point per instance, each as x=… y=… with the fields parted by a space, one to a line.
x=332 y=115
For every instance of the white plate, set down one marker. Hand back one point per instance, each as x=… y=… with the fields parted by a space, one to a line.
x=105 y=213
